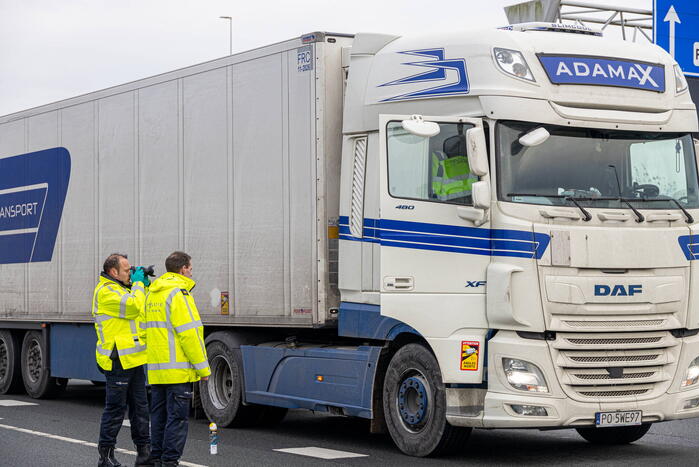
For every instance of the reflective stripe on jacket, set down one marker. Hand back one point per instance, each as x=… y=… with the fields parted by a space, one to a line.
x=118 y=315
x=174 y=332
x=451 y=176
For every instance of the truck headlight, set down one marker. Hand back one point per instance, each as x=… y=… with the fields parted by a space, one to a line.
x=680 y=81
x=524 y=376
x=513 y=63
x=692 y=374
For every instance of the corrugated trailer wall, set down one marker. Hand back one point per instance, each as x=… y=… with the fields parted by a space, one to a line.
x=228 y=160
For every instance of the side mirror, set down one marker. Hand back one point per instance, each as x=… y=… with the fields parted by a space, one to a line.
x=535 y=137
x=480 y=193
x=415 y=125
x=477 y=153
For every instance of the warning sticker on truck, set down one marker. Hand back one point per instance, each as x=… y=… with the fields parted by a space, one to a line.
x=469 y=355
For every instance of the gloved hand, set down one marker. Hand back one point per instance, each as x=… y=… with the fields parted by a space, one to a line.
x=139 y=275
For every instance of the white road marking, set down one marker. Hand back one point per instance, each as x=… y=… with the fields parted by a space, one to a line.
x=321 y=453
x=79 y=441
x=13 y=403
x=126 y=422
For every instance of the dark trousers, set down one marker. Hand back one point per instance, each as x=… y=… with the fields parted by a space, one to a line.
x=169 y=411
x=125 y=388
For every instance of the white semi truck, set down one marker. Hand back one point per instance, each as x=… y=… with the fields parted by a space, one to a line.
x=484 y=229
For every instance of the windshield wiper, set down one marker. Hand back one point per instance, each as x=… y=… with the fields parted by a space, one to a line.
x=687 y=215
x=637 y=213
x=639 y=216
x=586 y=214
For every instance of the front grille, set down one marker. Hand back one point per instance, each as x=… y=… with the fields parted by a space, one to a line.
x=614 y=358
x=645 y=374
x=615 y=367
x=631 y=392
x=614 y=340
x=655 y=323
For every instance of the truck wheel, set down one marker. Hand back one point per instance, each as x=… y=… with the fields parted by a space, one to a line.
x=35 y=373
x=10 y=375
x=414 y=402
x=222 y=394
x=614 y=435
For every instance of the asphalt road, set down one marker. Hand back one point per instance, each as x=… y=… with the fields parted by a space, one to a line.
x=62 y=432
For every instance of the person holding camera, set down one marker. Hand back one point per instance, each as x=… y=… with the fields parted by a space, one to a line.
x=118 y=310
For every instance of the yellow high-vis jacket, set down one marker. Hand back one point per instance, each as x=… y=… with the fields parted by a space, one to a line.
x=119 y=315
x=174 y=332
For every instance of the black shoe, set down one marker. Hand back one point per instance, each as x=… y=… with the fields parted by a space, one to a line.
x=169 y=463
x=107 y=458
x=143 y=458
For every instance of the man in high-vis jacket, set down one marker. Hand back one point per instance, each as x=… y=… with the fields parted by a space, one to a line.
x=451 y=176
x=117 y=308
x=176 y=356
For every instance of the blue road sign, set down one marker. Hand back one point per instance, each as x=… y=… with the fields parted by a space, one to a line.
x=676 y=29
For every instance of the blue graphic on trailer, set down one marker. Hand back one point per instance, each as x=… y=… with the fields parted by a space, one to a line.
x=449 y=238
x=437 y=71
x=600 y=71
x=676 y=29
x=33 y=189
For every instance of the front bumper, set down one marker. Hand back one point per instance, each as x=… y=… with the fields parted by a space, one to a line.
x=497 y=410
x=492 y=408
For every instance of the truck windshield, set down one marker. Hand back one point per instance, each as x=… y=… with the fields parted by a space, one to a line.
x=597 y=168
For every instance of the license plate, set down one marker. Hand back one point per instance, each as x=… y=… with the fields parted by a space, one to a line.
x=624 y=418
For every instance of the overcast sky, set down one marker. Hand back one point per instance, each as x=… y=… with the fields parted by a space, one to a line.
x=55 y=49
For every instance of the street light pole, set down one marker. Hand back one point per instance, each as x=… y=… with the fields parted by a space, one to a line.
x=230 y=29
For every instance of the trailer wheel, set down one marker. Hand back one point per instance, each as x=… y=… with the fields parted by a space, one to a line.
x=10 y=375
x=414 y=402
x=222 y=394
x=35 y=372
x=614 y=435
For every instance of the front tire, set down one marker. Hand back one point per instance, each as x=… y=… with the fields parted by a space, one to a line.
x=614 y=435
x=35 y=372
x=414 y=402
x=10 y=372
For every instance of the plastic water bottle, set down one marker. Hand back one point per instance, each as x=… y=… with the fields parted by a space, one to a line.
x=213 y=438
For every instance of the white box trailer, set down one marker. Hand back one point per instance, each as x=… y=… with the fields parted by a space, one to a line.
x=236 y=161
x=515 y=211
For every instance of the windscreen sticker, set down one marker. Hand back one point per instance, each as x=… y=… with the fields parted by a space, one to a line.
x=469 y=355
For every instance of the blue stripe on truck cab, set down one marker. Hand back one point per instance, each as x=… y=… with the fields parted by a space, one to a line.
x=449 y=238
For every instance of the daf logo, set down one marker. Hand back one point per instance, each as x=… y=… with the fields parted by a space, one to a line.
x=602 y=290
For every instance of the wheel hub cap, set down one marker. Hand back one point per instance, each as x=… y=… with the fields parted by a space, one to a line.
x=413 y=401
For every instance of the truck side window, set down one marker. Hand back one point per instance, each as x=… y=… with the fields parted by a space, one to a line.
x=430 y=169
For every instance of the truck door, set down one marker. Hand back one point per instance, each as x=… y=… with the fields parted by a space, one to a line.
x=435 y=246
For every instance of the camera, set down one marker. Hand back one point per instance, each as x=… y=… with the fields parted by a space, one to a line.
x=147 y=270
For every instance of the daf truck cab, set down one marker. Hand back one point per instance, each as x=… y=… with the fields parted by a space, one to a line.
x=557 y=287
